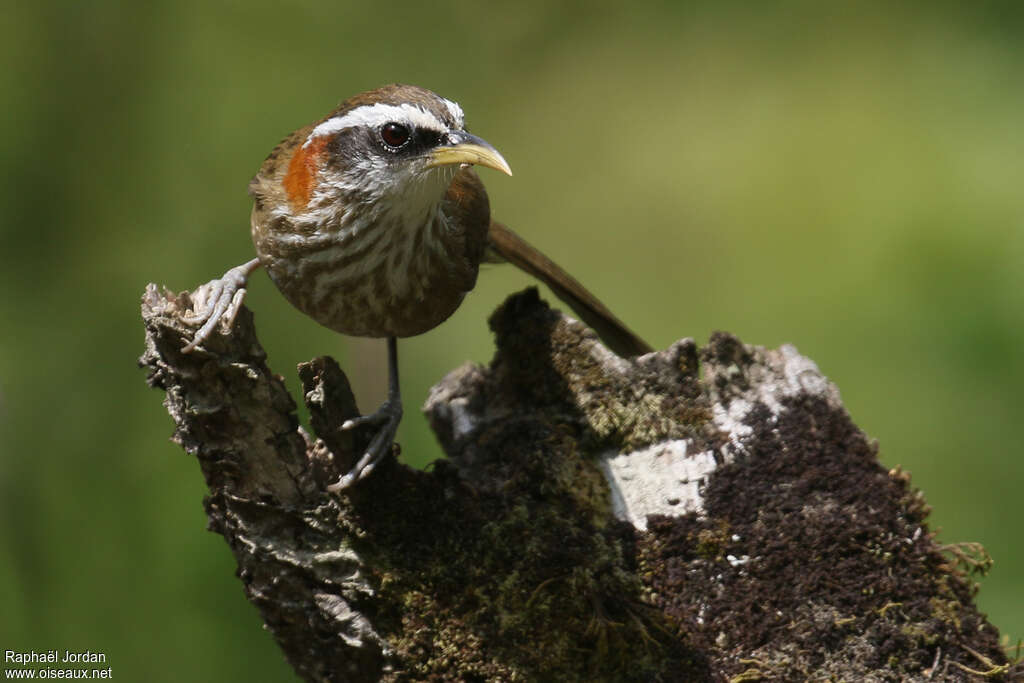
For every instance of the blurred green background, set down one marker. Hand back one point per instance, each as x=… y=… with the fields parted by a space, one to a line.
x=847 y=179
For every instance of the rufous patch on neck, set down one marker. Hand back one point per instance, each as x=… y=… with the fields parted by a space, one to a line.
x=300 y=179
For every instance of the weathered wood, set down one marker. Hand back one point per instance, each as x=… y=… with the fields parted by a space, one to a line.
x=694 y=514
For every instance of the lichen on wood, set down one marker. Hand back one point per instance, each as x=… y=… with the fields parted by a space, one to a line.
x=695 y=514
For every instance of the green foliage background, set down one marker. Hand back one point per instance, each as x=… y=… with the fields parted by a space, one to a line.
x=846 y=178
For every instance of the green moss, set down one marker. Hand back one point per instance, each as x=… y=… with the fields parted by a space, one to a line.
x=521 y=577
x=547 y=362
x=946 y=610
x=710 y=544
x=919 y=634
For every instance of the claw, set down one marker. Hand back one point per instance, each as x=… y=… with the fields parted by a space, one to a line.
x=217 y=300
x=379 y=417
x=388 y=416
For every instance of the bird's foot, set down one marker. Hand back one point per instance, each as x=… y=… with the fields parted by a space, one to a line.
x=217 y=300
x=387 y=417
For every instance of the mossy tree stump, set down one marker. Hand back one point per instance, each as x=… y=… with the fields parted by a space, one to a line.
x=691 y=515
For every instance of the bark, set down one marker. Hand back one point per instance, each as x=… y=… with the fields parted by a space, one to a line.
x=703 y=514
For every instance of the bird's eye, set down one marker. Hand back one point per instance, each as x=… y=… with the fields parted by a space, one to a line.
x=394 y=134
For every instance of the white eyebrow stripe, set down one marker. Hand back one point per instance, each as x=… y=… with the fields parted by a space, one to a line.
x=373 y=115
x=456 y=111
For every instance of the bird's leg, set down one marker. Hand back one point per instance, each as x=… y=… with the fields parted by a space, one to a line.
x=387 y=416
x=218 y=299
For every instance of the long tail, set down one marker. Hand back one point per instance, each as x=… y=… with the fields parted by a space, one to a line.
x=506 y=245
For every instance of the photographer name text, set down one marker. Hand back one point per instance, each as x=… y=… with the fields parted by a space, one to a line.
x=54 y=657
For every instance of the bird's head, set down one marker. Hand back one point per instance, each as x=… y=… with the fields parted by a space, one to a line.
x=398 y=143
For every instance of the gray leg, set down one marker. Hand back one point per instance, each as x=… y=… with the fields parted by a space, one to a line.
x=387 y=416
x=219 y=299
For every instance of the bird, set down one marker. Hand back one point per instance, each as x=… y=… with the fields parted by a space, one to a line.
x=372 y=222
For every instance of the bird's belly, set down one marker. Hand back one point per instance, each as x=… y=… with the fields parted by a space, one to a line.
x=371 y=297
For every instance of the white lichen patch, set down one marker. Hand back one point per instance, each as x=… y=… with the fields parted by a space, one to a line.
x=730 y=421
x=796 y=374
x=775 y=376
x=661 y=480
x=666 y=479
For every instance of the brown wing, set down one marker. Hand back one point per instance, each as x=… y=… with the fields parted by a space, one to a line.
x=469 y=213
x=509 y=246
